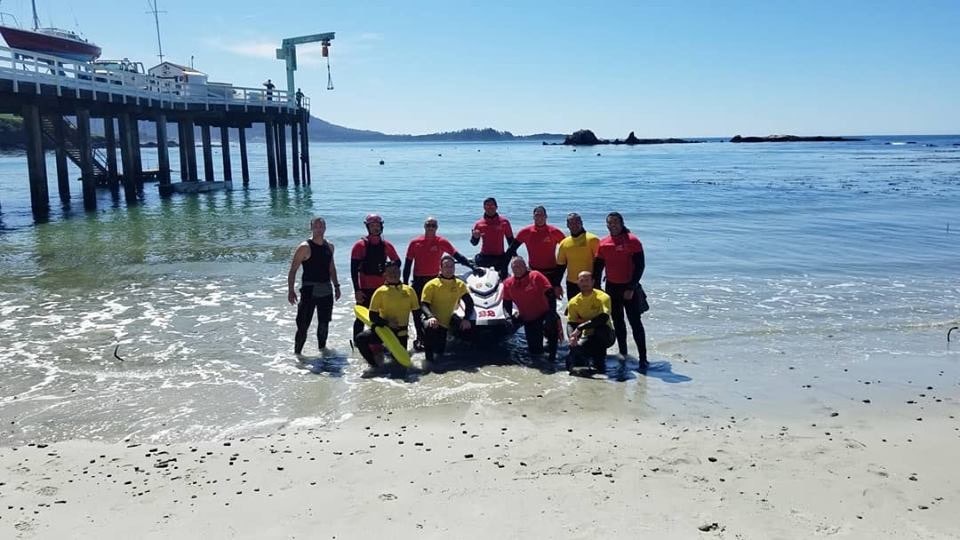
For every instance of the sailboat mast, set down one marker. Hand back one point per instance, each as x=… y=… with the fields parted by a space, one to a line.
x=156 y=21
x=36 y=20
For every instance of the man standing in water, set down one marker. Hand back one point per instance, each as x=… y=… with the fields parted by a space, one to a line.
x=589 y=320
x=576 y=253
x=536 y=306
x=493 y=229
x=541 y=240
x=319 y=286
x=368 y=258
x=621 y=254
x=423 y=257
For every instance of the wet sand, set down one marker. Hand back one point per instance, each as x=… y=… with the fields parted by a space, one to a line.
x=855 y=461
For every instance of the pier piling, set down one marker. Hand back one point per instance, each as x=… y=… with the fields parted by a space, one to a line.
x=126 y=157
x=207 y=153
x=36 y=164
x=282 y=153
x=110 y=140
x=225 y=152
x=163 y=156
x=270 y=134
x=63 y=174
x=244 y=168
x=87 y=179
x=294 y=153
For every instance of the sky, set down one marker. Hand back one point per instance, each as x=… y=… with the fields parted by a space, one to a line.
x=692 y=68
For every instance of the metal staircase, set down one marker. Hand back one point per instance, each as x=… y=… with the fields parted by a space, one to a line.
x=71 y=144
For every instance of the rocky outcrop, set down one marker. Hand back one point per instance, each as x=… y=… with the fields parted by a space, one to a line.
x=585 y=137
x=791 y=138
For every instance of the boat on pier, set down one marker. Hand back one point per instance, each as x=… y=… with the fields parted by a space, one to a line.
x=48 y=41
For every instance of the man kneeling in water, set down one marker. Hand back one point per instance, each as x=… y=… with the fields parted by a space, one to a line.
x=391 y=306
x=591 y=332
x=440 y=298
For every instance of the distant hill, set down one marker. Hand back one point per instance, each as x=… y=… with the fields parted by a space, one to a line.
x=323 y=131
x=11 y=133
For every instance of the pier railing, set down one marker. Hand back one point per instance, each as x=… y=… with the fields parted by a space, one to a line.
x=28 y=69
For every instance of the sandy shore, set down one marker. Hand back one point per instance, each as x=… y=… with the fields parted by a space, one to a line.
x=550 y=467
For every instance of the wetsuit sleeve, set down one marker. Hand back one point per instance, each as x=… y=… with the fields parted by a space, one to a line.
x=551 y=299
x=356 y=258
x=638 y=266
x=467 y=305
x=377 y=320
x=355 y=273
x=507 y=230
x=599 y=320
x=512 y=248
x=407 y=266
x=457 y=256
x=425 y=309
x=598 y=264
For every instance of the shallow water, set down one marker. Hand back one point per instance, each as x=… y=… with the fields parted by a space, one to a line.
x=822 y=255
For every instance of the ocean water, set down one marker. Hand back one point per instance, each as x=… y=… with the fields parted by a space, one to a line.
x=760 y=258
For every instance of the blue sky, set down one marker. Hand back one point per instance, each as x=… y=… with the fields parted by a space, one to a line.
x=690 y=68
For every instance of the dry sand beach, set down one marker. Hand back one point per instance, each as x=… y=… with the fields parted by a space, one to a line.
x=855 y=458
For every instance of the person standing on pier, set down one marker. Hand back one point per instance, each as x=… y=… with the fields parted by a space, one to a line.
x=541 y=240
x=319 y=286
x=493 y=229
x=621 y=255
x=299 y=96
x=423 y=257
x=269 y=86
x=368 y=259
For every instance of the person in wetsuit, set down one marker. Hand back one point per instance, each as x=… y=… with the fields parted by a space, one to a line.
x=541 y=240
x=319 y=286
x=591 y=334
x=576 y=253
x=536 y=304
x=368 y=258
x=423 y=258
x=440 y=298
x=493 y=229
x=620 y=254
x=390 y=305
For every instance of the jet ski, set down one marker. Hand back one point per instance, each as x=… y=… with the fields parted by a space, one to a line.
x=491 y=323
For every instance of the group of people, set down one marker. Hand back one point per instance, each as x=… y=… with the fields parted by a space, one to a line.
x=577 y=262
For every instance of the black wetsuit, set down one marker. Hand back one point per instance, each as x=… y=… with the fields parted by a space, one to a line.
x=316 y=293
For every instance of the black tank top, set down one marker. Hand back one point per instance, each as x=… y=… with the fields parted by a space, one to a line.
x=316 y=269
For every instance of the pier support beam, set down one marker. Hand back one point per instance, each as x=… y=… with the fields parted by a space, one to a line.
x=63 y=174
x=182 y=151
x=127 y=159
x=207 y=153
x=137 y=157
x=88 y=181
x=294 y=153
x=163 y=156
x=244 y=168
x=282 y=153
x=110 y=139
x=225 y=152
x=271 y=134
x=36 y=164
x=305 y=150
x=189 y=131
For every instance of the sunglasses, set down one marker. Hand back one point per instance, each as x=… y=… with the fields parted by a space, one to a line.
x=430 y=225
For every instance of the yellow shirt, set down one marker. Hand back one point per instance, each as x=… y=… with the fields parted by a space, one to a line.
x=577 y=254
x=582 y=308
x=394 y=303
x=443 y=295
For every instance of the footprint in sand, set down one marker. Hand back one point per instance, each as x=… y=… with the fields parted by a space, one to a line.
x=388 y=497
x=47 y=491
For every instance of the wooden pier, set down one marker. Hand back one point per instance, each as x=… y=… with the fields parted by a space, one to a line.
x=57 y=99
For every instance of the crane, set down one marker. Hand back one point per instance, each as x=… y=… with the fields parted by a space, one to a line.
x=288 y=52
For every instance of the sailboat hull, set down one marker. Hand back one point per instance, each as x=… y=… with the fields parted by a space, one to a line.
x=47 y=44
